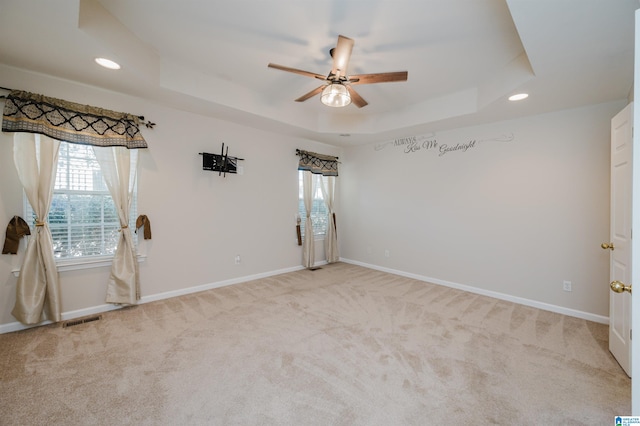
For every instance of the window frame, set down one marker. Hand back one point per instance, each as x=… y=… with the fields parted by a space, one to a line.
x=319 y=210
x=104 y=258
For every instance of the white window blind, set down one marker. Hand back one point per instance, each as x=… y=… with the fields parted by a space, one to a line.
x=319 y=212
x=82 y=218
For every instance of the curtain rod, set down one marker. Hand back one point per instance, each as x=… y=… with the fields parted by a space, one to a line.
x=148 y=124
x=299 y=150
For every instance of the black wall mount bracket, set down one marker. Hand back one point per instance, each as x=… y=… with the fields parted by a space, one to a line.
x=221 y=163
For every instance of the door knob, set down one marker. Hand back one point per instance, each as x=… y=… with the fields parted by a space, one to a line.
x=607 y=246
x=619 y=287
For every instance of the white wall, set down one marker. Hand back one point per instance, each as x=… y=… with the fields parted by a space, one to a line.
x=200 y=221
x=513 y=218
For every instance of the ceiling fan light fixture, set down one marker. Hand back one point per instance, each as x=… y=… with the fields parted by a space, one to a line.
x=335 y=95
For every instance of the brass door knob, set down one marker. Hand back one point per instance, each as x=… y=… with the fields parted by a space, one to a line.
x=618 y=287
x=607 y=246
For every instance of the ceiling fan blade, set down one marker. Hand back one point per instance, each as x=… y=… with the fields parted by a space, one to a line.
x=356 y=99
x=311 y=93
x=383 y=77
x=297 y=71
x=341 y=55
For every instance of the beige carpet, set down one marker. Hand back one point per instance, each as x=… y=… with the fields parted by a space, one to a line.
x=342 y=345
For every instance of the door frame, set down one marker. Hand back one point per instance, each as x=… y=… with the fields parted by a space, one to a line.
x=635 y=224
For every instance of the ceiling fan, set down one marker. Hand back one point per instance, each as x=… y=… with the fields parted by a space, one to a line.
x=336 y=90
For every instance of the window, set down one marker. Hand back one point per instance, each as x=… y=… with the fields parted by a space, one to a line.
x=319 y=212
x=82 y=218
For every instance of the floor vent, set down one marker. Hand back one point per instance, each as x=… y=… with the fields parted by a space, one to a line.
x=79 y=321
x=315 y=268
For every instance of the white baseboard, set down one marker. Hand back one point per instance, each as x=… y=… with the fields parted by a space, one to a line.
x=496 y=295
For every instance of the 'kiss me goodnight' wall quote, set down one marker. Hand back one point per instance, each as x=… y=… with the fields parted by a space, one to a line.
x=429 y=143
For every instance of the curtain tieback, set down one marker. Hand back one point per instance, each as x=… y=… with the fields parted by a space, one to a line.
x=123 y=227
x=16 y=229
x=39 y=223
x=141 y=221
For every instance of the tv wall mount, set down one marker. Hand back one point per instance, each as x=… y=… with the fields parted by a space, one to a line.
x=221 y=163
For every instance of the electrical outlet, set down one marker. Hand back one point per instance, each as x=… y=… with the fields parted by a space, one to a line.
x=387 y=253
x=237 y=259
x=566 y=285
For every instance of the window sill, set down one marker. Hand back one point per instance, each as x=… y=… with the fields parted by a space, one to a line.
x=84 y=263
x=317 y=237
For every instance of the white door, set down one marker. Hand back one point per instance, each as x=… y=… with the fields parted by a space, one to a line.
x=620 y=243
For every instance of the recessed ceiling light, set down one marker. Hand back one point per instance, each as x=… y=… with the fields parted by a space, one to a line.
x=108 y=63
x=519 y=97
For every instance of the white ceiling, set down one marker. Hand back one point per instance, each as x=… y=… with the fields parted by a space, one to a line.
x=464 y=57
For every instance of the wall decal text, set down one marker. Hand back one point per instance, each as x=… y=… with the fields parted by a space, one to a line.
x=429 y=143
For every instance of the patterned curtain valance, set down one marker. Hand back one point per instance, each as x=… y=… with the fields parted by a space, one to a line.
x=319 y=164
x=69 y=121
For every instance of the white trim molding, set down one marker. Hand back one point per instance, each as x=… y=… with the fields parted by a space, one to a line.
x=83 y=263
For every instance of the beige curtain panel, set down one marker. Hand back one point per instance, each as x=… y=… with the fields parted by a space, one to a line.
x=308 y=244
x=70 y=122
x=38 y=286
x=331 y=237
x=118 y=166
